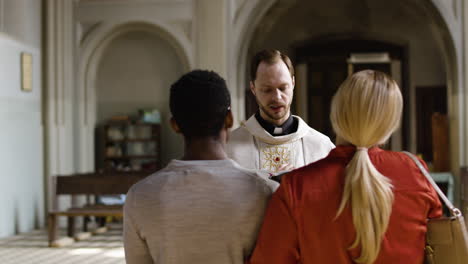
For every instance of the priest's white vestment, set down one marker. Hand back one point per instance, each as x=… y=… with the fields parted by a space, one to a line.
x=253 y=147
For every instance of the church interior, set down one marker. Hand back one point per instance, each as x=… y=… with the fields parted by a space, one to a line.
x=85 y=95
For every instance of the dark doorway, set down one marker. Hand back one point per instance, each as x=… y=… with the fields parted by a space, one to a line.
x=324 y=76
x=429 y=100
x=328 y=66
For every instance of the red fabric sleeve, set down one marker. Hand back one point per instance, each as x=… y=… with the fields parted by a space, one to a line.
x=278 y=238
x=435 y=209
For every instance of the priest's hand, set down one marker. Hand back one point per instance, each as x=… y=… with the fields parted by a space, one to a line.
x=282 y=170
x=285 y=167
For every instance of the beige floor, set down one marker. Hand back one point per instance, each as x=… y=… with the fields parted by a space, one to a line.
x=31 y=248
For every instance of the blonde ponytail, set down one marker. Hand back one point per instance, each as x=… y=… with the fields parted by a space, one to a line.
x=371 y=200
x=365 y=112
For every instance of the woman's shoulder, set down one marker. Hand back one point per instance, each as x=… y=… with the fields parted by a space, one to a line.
x=320 y=167
x=402 y=170
x=321 y=176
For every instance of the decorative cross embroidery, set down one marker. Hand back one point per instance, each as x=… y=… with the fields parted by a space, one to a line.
x=274 y=157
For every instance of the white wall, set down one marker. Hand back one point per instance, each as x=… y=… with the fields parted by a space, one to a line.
x=21 y=19
x=21 y=136
x=136 y=72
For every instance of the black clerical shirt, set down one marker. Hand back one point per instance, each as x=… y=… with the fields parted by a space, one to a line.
x=288 y=127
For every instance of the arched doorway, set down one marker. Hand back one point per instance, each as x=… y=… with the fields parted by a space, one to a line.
x=96 y=52
x=426 y=32
x=135 y=72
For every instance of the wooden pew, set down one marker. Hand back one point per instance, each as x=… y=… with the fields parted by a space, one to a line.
x=90 y=184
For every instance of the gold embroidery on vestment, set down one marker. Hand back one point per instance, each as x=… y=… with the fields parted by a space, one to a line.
x=274 y=157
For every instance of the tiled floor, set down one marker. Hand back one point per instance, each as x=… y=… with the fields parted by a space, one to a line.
x=31 y=248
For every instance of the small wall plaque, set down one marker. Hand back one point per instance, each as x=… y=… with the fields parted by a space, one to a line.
x=26 y=72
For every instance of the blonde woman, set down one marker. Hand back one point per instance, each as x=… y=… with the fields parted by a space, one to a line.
x=360 y=204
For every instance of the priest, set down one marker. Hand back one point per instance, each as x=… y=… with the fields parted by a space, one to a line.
x=273 y=140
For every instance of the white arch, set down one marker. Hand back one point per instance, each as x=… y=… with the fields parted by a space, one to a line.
x=450 y=40
x=249 y=17
x=253 y=13
x=447 y=13
x=91 y=51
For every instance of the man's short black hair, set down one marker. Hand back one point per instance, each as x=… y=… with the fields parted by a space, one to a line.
x=199 y=103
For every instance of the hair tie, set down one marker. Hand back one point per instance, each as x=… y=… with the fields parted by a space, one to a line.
x=361 y=149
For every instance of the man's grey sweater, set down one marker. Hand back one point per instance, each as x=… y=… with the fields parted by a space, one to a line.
x=195 y=212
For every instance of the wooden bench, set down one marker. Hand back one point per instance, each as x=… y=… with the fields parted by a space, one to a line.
x=89 y=184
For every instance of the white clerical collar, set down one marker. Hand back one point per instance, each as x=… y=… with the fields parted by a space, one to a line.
x=278 y=130
x=288 y=127
x=254 y=127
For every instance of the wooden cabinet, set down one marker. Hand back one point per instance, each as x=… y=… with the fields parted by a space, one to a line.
x=128 y=146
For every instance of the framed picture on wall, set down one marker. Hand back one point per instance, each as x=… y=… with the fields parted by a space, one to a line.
x=26 y=72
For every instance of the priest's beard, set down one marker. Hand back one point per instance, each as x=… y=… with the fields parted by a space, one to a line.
x=275 y=116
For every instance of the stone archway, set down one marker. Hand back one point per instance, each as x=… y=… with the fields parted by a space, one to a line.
x=443 y=21
x=91 y=50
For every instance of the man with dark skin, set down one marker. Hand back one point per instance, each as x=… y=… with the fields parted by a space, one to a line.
x=205 y=148
x=188 y=211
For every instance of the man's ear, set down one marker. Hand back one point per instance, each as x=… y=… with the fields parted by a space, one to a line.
x=229 y=120
x=175 y=126
x=293 y=82
x=252 y=88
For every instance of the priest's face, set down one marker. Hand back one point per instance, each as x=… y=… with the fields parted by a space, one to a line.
x=273 y=89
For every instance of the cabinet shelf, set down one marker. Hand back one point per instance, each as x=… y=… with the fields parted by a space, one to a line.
x=127 y=145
